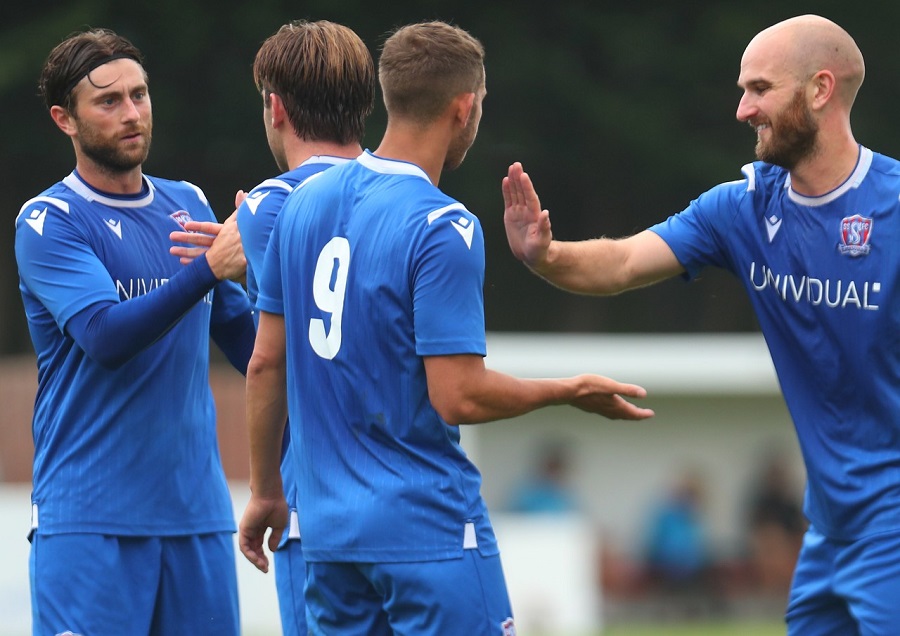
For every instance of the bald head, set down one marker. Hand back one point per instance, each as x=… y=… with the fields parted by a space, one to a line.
x=807 y=44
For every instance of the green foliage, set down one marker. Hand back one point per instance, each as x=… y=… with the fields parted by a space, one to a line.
x=622 y=113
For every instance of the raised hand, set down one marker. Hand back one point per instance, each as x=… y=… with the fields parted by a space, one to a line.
x=527 y=225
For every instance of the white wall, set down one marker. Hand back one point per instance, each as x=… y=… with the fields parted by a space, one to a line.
x=259 y=606
x=718 y=408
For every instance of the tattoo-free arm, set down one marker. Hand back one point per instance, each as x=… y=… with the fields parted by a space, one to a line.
x=598 y=266
x=463 y=391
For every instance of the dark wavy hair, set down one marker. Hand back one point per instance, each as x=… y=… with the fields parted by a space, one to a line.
x=75 y=57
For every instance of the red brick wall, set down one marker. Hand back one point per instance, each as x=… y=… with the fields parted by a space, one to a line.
x=18 y=383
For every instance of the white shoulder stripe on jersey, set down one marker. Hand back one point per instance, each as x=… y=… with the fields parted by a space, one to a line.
x=273 y=183
x=62 y=205
x=308 y=179
x=433 y=216
x=199 y=192
x=750 y=173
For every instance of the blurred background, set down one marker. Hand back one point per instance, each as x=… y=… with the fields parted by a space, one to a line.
x=621 y=113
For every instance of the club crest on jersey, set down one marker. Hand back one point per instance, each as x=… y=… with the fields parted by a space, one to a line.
x=855 y=233
x=181 y=217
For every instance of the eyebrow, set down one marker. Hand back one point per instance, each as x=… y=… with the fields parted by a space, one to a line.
x=108 y=91
x=755 y=82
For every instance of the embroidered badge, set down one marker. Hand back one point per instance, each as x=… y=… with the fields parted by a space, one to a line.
x=181 y=217
x=856 y=231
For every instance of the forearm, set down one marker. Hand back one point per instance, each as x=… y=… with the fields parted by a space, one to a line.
x=606 y=266
x=463 y=391
x=266 y=418
x=113 y=333
x=592 y=267
x=498 y=396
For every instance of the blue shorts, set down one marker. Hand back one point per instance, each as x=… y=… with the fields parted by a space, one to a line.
x=430 y=598
x=100 y=584
x=846 y=588
x=290 y=579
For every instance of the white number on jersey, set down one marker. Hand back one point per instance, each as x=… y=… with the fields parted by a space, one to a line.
x=333 y=263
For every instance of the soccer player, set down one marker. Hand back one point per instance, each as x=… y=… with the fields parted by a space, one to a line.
x=131 y=515
x=317 y=82
x=371 y=334
x=811 y=231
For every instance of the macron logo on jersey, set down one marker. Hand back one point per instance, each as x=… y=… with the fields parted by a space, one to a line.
x=35 y=219
x=254 y=199
x=464 y=226
x=773 y=224
x=115 y=225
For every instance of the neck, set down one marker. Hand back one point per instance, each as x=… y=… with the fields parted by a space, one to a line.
x=298 y=150
x=105 y=180
x=828 y=167
x=423 y=145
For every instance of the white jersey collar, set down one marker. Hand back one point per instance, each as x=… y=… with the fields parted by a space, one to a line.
x=79 y=187
x=329 y=159
x=863 y=163
x=391 y=166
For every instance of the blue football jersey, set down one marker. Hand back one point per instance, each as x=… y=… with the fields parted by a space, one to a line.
x=255 y=219
x=256 y=215
x=373 y=267
x=132 y=450
x=822 y=274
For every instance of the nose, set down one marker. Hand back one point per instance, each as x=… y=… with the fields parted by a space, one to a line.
x=130 y=112
x=746 y=108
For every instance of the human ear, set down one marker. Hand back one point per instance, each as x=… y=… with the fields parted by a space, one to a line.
x=63 y=119
x=464 y=103
x=279 y=114
x=823 y=88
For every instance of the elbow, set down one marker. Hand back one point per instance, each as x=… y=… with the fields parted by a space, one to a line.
x=256 y=367
x=108 y=358
x=455 y=411
x=263 y=367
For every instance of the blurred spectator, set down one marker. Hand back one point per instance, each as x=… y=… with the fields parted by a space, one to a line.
x=676 y=553
x=547 y=489
x=775 y=524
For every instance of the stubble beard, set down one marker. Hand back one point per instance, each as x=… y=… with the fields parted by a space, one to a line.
x=794 y=136
x=107 y=153
x=459 y=147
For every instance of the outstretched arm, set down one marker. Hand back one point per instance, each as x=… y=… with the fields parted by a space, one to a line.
x=463 y=391
x=596 y=266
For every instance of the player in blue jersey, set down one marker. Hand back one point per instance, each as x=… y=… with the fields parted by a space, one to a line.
x=131 y=515
x=317 y=82
x=811 y=231
x=371 y=334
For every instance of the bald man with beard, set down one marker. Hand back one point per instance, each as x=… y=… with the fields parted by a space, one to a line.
x=811 y=230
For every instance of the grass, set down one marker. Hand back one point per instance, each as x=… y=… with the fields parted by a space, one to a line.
x=700 y=628
x=729 y=628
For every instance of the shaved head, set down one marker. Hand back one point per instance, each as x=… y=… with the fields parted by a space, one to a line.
x=804 y=45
